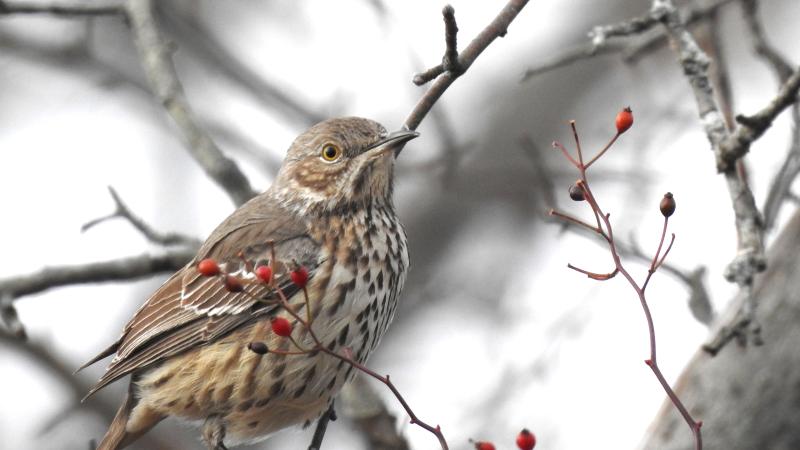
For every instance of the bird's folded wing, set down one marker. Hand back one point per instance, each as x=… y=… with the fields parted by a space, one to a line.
x=190 y=309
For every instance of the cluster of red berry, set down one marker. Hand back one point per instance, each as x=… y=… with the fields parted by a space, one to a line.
x=280 y=325
x=525 y=441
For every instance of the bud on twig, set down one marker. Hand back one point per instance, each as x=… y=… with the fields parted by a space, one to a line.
x=667 y=205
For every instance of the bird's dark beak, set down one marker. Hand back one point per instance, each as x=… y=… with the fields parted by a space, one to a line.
x=394 y=142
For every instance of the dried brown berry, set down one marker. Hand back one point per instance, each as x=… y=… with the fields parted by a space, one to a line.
x=233 y=284
x=667 y=205
x=258 y=347
x=576 y=193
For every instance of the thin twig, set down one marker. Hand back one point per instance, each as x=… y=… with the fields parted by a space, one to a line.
x=752 y=127
x=156 y=59
x=360 y=403
x=783 y=69
x=576 y=221
x=605 y=39
x=718 y=72
x=602 y=151
x=199 y=38
x=780 y=186
x=595 y=275
x=450 y=59
x=743 y=324
x=497 y=28
x=347 y=357
x=544 y=177
x=322 y=426
x=651 y=362
x=153 y=235
x=699 y=301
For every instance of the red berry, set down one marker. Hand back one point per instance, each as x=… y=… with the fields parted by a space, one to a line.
x=281 y=326
x=299 y=276
x=208 y=267
x=624 y=120
x=233 y=284
x=264 y=273
x=526 y=440
x=482 y=445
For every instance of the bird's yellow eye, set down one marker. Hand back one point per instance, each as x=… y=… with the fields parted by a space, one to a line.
x=331 y=152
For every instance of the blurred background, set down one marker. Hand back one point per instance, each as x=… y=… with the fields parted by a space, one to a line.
x=494 y=333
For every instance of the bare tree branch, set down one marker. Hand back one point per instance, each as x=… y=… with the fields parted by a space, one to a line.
x=739 y=324
x=77 y=388
x=153 y=235
x=68 y=10
x=363 y=406
x=123 y=269
x=780 y=186
x=718 y=72
x=783 y=69
x=737 y=144
x=570 y=56
x=322 y=426
x=497 y=28
x=201 y=40
x=602 y=39
x=450 y=58
x=750 y=258
x=156 y=60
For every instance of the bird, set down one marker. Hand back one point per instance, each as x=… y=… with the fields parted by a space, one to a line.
x=330 y=213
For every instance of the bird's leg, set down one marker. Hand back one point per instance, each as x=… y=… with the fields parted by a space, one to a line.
x=214 y=433
x=322 y=425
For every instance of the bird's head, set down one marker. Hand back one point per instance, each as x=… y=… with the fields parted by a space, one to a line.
x=340 y=163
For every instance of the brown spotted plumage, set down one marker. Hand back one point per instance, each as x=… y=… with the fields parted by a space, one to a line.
x=330 y=210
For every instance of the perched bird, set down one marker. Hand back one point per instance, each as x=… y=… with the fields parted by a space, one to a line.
x=329 y=210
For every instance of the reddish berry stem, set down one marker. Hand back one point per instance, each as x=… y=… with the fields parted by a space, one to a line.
x=604 y=229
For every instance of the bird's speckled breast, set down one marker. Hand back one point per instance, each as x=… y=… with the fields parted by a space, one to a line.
x=353 y=294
